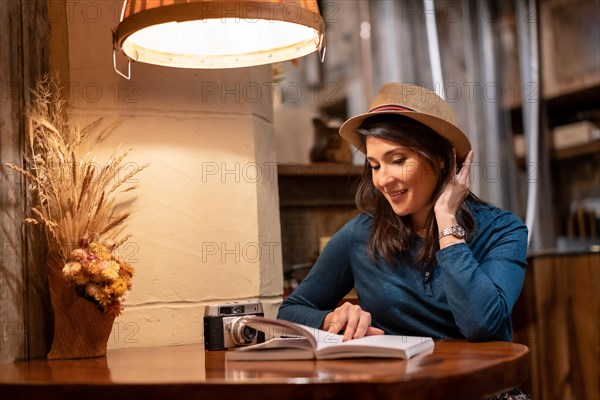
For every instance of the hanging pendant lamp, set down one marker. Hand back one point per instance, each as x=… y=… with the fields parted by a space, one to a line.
x=217 y=34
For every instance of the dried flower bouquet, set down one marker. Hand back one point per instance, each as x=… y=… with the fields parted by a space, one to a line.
x=75 y=198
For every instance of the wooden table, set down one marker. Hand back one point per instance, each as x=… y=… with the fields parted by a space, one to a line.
x=456 y=369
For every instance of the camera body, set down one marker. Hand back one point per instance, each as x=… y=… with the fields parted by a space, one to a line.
x=223 y=328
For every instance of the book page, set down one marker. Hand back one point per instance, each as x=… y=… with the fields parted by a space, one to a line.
x=281 y=328
x=389 y=346
x=291 y=348
x=279 y=343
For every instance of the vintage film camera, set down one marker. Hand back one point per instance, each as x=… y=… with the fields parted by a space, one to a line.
x=224 y=329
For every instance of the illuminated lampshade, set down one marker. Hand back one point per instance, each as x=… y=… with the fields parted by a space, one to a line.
x=218 y=34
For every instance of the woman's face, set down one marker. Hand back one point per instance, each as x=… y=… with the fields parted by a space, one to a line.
x=406 y=179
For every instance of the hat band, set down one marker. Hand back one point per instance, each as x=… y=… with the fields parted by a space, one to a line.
x=390 y=107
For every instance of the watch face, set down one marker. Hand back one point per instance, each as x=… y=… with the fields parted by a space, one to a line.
x=460 y=232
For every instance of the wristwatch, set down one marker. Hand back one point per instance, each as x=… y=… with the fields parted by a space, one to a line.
x=455 y=230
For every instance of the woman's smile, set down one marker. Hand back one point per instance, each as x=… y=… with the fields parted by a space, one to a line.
x=406 y=179
x=396 y=195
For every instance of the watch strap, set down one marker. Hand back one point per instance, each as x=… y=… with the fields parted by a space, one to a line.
x=455 y=230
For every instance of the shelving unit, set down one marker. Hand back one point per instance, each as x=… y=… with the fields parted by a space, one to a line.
x=315 y=200
x=557 y=313
x=570 y=87
x=590 y=148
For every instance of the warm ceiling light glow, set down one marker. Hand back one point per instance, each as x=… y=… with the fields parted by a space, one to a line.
x=218 y=34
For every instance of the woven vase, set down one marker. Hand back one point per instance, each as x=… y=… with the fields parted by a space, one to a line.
x=81 y=330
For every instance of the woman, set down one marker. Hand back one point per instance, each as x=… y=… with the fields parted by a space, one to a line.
x=425 y=255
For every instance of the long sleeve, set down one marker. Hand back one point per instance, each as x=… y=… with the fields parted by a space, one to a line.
x=469 y=294
x=481 y=293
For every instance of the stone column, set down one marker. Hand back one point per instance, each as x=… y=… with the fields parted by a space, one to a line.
x=206 y=222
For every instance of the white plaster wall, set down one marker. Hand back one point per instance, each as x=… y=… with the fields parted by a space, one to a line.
x=295 y=105
x=294 y=131
x=206 y=223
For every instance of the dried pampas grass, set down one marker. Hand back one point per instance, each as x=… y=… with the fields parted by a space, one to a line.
x=75 y=197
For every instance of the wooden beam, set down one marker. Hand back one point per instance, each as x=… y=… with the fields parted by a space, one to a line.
x=23 y=60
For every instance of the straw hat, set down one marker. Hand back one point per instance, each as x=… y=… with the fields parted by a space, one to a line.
x=413 y=102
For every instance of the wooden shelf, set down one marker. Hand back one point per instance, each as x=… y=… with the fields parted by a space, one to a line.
x=592 y=147
x=576 y=151
x=573 y=100
x=569 y=107
x=319 y=169
x=315 y=201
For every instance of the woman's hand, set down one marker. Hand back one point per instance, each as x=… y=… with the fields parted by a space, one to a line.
x=455 y=191
x=350 y=318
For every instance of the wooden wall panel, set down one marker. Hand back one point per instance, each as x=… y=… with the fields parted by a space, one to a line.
x=524 y=329
x=24 y=30
x=12 y=343
x=567 y=326
x=584 y=325
x=551 y=298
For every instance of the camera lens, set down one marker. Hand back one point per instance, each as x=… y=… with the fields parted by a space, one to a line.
x=249 y=334
x=241 y=333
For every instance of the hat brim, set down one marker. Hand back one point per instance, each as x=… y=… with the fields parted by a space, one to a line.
x=349 y=130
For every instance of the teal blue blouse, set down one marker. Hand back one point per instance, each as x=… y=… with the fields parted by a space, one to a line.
x=470 y=293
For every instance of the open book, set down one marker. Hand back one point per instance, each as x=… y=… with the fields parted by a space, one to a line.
x=290 y=341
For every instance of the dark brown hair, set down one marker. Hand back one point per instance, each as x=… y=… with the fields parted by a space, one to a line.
x=392 y=235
